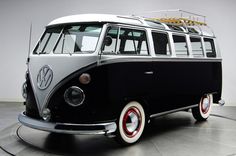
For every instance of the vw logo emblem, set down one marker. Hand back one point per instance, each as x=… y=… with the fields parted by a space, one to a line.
x=44 y=77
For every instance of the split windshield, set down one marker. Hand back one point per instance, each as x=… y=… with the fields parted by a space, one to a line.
x=69 y=39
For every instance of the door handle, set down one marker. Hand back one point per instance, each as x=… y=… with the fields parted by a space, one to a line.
x=148 y=72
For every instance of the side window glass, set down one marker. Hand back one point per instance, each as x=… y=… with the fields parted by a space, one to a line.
x=48 y=41
x=180 y=43
x=161 y=43
x=78 y=39
x=125 y=41
x=133 y=42
x=110 y=41
x=210 y=47
x=196 y=47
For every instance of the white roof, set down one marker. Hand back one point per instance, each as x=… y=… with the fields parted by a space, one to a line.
x=133 y=20
x=96 y=18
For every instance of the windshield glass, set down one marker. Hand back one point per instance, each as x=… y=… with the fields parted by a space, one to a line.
x=69 y=39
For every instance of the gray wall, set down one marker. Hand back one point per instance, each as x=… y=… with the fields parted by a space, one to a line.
x=16 y=16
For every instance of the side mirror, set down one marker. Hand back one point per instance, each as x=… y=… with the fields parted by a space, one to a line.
x=108 y=41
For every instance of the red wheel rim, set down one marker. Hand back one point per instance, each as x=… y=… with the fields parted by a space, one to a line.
x=132 y=122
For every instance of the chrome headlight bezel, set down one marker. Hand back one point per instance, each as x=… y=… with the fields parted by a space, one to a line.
x=72 y=102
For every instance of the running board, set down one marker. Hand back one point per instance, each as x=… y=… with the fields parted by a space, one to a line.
x=172 y=111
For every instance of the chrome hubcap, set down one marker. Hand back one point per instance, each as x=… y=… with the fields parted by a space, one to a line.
x=205 y=104
x=131 y=122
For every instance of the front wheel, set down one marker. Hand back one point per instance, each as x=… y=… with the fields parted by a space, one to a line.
x=131 y=123
x=202 y=112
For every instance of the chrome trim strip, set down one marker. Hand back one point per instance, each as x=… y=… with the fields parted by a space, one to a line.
x=172 y=111
x=186 y=59
x=51 y=127
x=124 y=58
x=148 y=72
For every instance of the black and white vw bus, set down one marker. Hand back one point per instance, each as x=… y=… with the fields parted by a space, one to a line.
x=108 y=74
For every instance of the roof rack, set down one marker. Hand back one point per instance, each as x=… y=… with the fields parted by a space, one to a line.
x=178 y=17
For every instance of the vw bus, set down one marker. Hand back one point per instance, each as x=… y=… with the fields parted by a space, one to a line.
x=109 y=74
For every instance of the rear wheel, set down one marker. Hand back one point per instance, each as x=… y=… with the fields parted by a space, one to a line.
x=131 y=123
x=202 y=112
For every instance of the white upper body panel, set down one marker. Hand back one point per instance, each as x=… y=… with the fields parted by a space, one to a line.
x=131 y=20
x=97 y=18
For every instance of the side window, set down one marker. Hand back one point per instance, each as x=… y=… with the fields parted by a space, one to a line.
x=196 y=46
x=210 y=47
x=125 y=41
x=110 y=43
x=133 y=42
x=161 y=43
x=180 y=43
x=47 y=42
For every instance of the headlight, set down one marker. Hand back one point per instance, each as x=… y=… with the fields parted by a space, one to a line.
x=74 y=96
x=24 y=90
x=84 y=78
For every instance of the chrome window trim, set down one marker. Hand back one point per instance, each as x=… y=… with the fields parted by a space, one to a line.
x=110 y=59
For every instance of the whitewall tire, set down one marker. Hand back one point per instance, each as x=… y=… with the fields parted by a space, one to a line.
x=202 y=112
x=131 y=123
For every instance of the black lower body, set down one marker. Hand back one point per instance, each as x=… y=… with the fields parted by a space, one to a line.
x=158 y=86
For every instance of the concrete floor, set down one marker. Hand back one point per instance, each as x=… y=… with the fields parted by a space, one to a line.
x=174 y=134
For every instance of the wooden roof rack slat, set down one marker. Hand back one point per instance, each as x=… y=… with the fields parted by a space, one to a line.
x=179 y=21
x=177 y=17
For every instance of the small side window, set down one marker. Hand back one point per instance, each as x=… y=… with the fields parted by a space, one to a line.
x=196 y=47
x=133 y=42
x=161 y=43
x=111 y=40
x=210 y=47
x=125 y=41
x=181 y=48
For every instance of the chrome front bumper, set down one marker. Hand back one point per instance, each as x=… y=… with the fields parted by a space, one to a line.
x=68 y=128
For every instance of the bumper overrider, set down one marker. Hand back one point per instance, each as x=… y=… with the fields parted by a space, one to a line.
x=68 y=128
